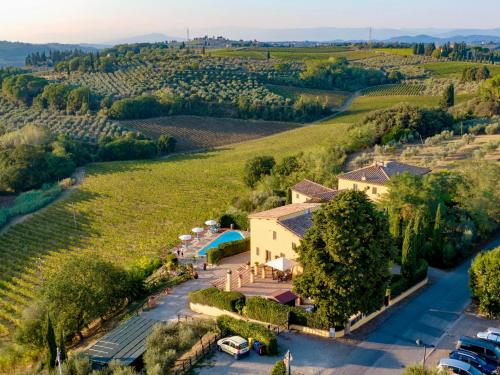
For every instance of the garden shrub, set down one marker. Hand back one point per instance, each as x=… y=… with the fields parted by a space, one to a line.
x=307 y=319
x=492 y=129
x=236 y=217
x=245 y=329
x=421 y=271
x=279 y=368
x=230 y=301
x=264 y=310
x=214 y=256
x=398 y=285
x=484 y=281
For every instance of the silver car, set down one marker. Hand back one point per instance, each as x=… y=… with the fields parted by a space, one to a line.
x=491 y=334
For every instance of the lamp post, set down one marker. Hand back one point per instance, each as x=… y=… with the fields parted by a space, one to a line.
x=421 y=343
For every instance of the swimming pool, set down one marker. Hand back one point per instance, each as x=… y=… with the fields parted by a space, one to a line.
x=230 y=236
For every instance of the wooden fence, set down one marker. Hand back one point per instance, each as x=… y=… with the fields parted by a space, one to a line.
x=207 y=344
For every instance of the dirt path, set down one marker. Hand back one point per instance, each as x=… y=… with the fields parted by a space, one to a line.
x=344 y=107
x=79 y=176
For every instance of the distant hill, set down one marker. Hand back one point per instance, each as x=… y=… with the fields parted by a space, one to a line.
x=14 y=53
x=147 y=38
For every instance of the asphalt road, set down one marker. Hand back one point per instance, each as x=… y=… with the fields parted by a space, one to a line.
x=389 y=344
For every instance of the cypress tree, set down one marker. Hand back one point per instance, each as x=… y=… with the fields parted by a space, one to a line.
x=62 y=347
x=448 y=98
x=50 y=339
x=437 y=235
x=417 y=234
x=394 y=223
x=408 y=257
x=268 y=55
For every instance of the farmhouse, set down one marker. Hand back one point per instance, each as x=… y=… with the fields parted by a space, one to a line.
x=309 y=191
x=374 y=178
x=277 y=232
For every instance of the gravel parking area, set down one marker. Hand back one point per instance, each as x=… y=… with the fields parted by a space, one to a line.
x=311 y=355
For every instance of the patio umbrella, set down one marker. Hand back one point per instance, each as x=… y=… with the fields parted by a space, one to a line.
x=185 y=237
x=281 y=264
x=197 y=230
x=211 y=223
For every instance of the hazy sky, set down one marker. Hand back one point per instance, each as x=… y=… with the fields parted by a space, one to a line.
x=104 y=20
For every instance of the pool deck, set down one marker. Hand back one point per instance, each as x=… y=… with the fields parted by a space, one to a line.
x=190 y=252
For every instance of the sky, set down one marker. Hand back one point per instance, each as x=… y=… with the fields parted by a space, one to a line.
x=73 y=21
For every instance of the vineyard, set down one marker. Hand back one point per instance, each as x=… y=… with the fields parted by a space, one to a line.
x=398 y=89
x=86 y=127
x=452 y=69
x=333 y=98
x=194 y=132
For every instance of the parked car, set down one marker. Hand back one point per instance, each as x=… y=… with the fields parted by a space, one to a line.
x=491 y=334
x=474 y=360
x=487 y=350
x=234 y=345
x=457 y=367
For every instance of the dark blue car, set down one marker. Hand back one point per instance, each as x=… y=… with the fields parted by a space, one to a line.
x=474 y=360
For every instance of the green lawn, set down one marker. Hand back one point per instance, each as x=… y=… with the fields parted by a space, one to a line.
x=455 y=68
x=124 y=210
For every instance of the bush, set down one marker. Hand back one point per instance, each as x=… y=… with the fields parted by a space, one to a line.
x=398 y=285
x=228 y=249
x=484 y=281
x=229 y=301
x=279 y=368
x=236 y=217
x=245 y=329
x=492 y=129
x=308 y=319
x=264 y=310
x=256 y=168
x=421 y=271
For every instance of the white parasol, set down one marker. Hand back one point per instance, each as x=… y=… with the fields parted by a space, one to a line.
x=211 y=223
x=281 y=264
x=197 y=230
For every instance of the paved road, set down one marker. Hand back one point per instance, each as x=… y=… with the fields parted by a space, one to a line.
x=386 y=350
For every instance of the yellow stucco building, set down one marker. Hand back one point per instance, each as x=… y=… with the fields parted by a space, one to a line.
x=277 y=232
x=374 y=178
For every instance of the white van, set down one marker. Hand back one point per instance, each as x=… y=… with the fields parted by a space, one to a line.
x=234 y=345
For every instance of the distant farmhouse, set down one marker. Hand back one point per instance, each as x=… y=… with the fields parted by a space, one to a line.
x=277 y=232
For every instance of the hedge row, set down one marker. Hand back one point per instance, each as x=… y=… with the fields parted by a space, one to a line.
x=245 y=329
x=229 y=301
x=259 y=308
x=224 y=250
x=399 y=284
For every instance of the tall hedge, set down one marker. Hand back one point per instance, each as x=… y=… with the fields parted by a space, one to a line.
x=484 y=281
x=229 y=301
x=228 y=249
x=259 y=308
x=245 y=329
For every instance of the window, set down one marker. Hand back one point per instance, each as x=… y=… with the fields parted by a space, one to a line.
x=374 y=190
x=354 y=186
x=294 y=246
x=297 y=195
x=274 y=235
x=257 y=251
x=282 y=255
x=268 y=256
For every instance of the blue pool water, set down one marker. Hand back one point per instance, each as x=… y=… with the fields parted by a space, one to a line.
x=223 y=238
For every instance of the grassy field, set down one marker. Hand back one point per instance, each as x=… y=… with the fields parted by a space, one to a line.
x=194 y=132
x=396 y=51
x=124 y=210
x=454 y=68
x=319 y=53
x=334 y=98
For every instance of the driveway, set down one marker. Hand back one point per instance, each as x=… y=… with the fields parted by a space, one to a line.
x=176 y=303
x=384 y=346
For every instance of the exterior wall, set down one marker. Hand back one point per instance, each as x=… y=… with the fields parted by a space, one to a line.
x=364 y=186
x=299 y=197
x=261 y=237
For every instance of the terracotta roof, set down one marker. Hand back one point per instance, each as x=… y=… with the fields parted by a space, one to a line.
x=381 y=172
x=325 y=197
x=311 y=189
x=283 y=297
x=298 y=224
x=278 y=212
